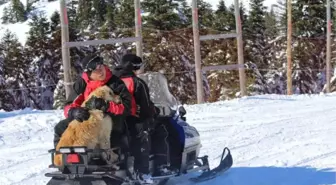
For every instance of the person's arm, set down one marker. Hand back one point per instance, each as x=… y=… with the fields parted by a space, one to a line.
x=119 y=88
x=76 y=103
x=79 y=88
x=142 y=97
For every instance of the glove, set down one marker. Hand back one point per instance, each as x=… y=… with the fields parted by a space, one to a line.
x=79 y=113
x=97 y=103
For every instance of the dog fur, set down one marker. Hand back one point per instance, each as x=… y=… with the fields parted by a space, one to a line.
x=92 y=133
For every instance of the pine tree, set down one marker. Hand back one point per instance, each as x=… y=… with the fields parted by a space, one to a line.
x=14 y=13
x=2 y=81
x=5 y=16
x=162 y=14
x=223 y=84
x=44 y=67
x=2 y=73
x=311 y=18
x=257 y=42
x=18 y=12
x=185 y=14
x=54 y=21
x=73 y=14
x=122 y=14
x=173 y=49
x=277 y=40
x=29 y=6
x=281 y=7
x=38 y=34
x=224 y=19
x=16 y=94
x=111 y=13
x=309 y=29
x=98 y=13
x=205 y=14
x=271 y=25
x=83 y=16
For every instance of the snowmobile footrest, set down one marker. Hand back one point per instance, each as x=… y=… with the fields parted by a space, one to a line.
x=77 y=176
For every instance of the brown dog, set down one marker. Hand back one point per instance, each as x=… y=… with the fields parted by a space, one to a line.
x=92 y=133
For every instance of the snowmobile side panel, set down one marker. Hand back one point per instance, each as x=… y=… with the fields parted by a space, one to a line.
x=189 y=136
x=179 y=129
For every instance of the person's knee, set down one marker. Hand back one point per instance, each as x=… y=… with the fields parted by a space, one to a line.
x=59 y=128
x=161 y=131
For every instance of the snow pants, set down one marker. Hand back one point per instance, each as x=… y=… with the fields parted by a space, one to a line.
x=139 y=145
x=145 y=142
x=59 y=129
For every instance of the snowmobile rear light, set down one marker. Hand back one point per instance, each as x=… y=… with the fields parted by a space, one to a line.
x=73 y=158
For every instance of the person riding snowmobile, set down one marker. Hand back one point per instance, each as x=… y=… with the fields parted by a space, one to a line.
x=95 y=75
x=143 y=113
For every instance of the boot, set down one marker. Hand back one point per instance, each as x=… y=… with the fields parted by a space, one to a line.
x=145 y=178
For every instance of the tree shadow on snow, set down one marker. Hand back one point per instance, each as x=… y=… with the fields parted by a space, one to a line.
x=270 y=176
x=21 y=112
x=277 y=176
x=280 y=98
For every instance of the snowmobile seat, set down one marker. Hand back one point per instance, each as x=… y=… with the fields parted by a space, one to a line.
x=165 y=110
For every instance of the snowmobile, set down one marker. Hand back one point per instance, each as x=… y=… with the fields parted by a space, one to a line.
x=84 y=166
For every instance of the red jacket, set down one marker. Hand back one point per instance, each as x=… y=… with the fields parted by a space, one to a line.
x=116 y=109
x=141 y=106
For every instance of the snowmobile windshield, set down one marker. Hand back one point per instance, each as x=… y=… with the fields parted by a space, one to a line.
x=158 y=89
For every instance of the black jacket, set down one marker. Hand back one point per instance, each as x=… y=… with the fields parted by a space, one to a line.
x=118 y=87
x=141 y=92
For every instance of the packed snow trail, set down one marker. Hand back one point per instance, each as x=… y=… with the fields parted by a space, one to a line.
x=274 y=140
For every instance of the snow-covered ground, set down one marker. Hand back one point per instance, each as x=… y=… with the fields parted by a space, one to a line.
x=274 y=140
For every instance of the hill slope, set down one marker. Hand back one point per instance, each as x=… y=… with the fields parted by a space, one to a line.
x=21 y=29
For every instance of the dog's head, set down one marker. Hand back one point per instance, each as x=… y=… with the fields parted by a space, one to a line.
x=106 y=93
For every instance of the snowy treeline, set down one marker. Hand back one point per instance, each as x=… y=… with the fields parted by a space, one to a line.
x=31 y=75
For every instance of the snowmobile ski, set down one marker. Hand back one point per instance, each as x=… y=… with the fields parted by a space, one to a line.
x=224 y=165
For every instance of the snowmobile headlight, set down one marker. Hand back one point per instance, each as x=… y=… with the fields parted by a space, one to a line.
x=64 y=150
x=79 y=150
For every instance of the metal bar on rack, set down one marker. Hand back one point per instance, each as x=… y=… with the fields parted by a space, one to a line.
x=105 y=41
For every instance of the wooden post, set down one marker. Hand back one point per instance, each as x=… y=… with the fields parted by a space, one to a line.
x=240 y=49
x=328 y=60
x=289 y=48
x=65 y=50
x=197 y=52
x=138 y=31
